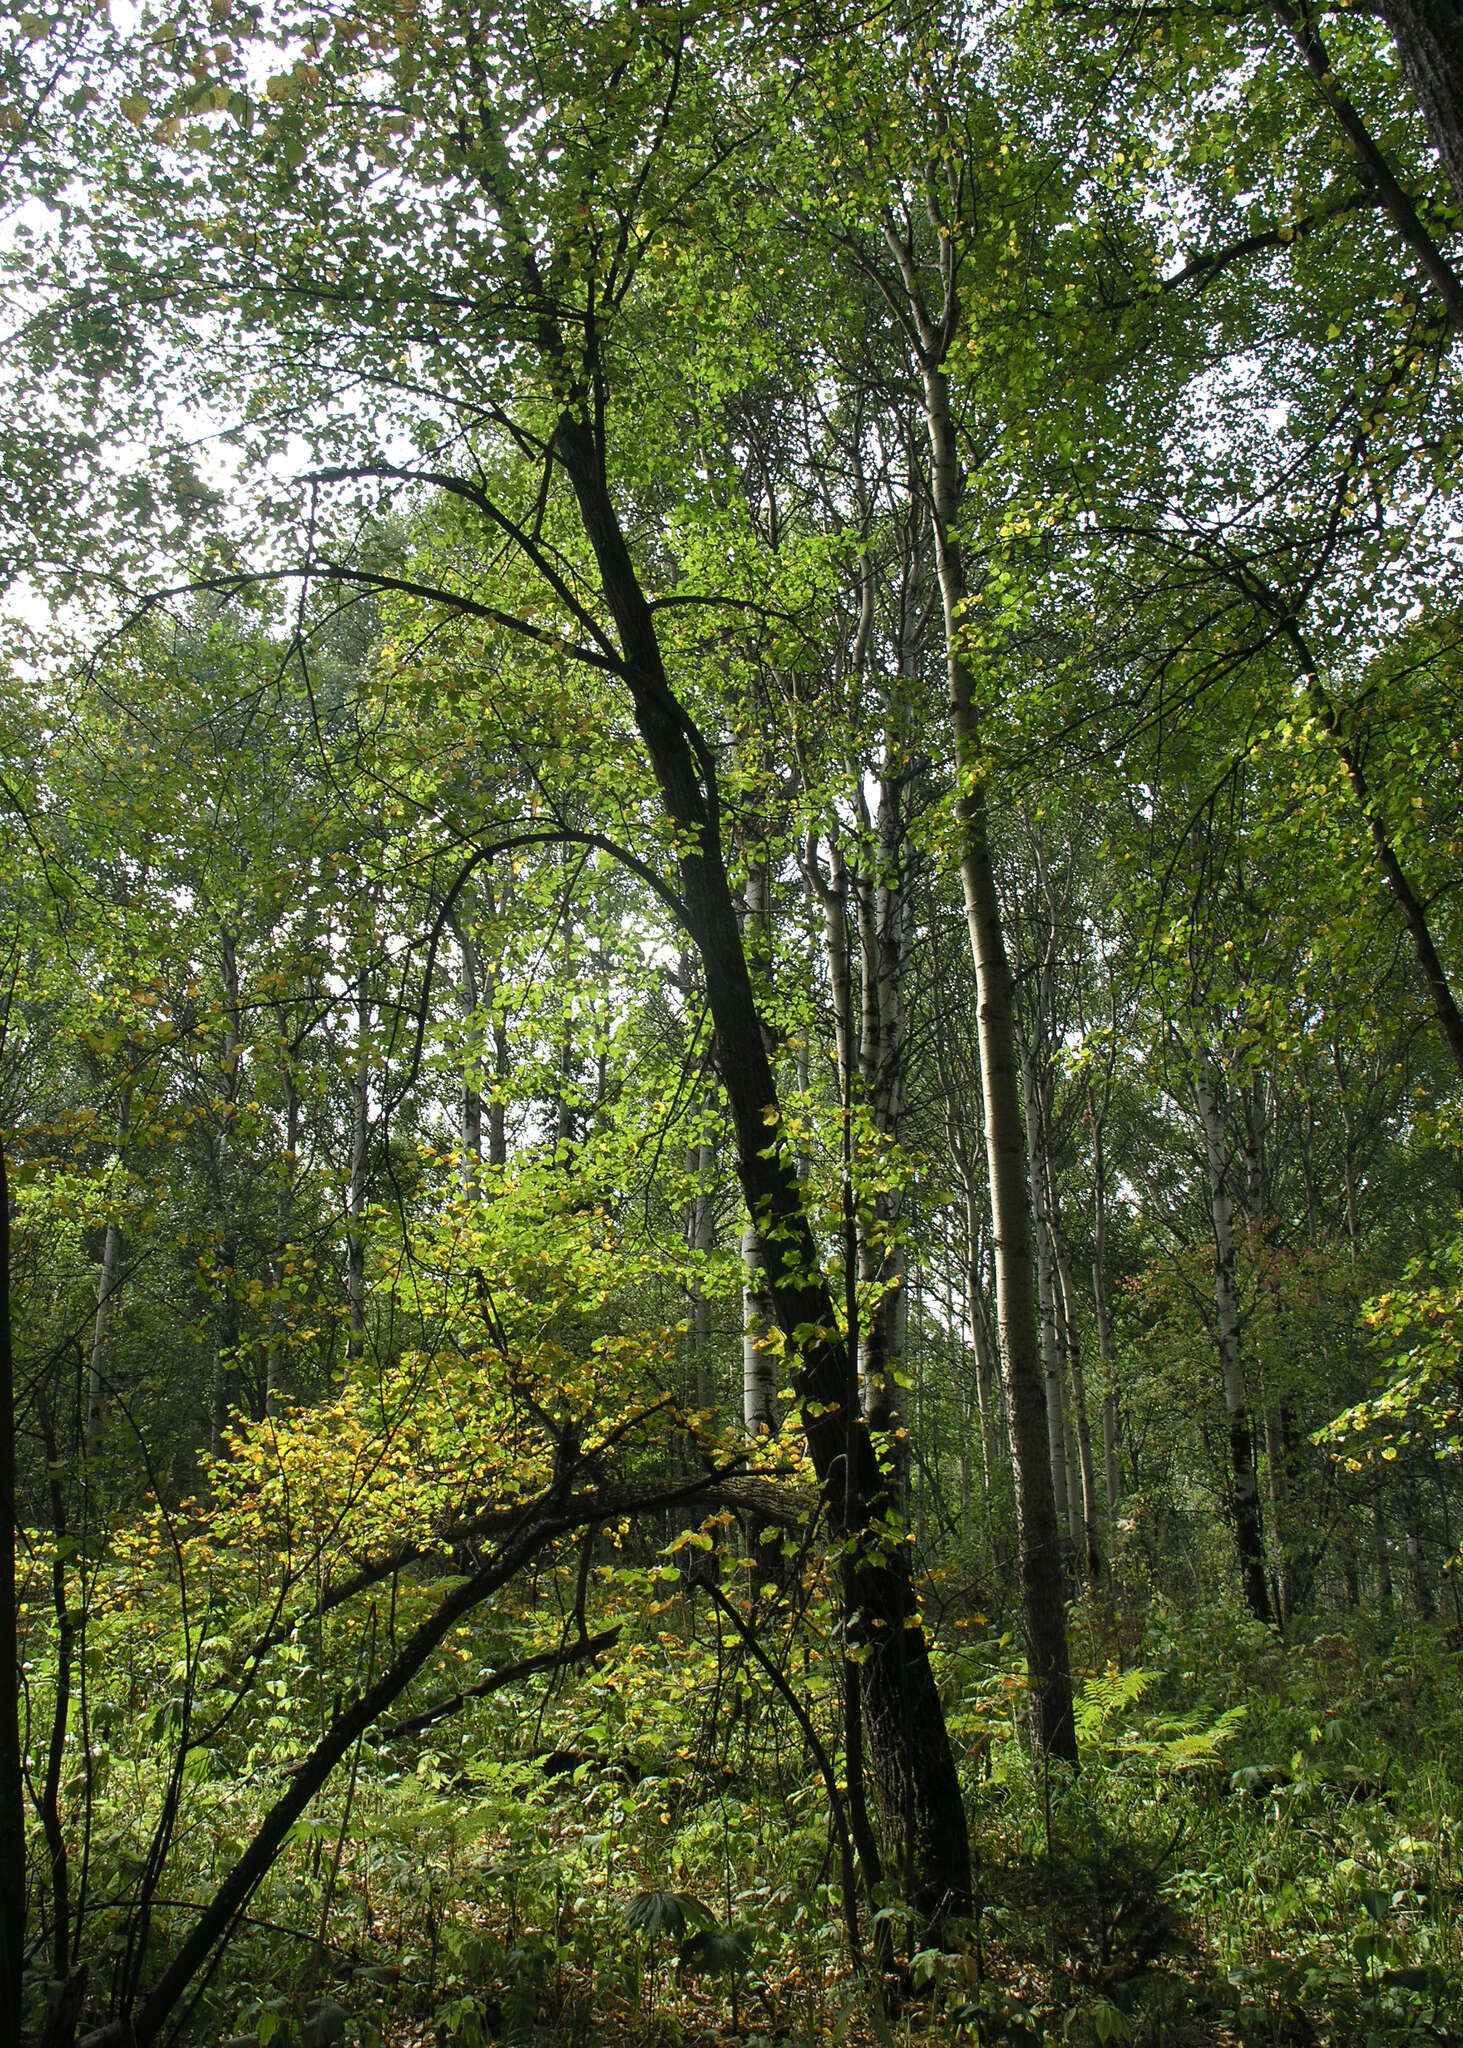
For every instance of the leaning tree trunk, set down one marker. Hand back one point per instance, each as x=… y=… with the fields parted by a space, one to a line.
x=911 y=1763
x=1249 y=1533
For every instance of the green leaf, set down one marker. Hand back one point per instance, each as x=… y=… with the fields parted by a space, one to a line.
x=655 y=1913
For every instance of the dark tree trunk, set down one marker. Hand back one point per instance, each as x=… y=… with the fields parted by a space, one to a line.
x=911 y=1763
x=1429 y=37
x=1249 y=1531
x=12 y=1789
x=355 y=1241
x=226 y=1309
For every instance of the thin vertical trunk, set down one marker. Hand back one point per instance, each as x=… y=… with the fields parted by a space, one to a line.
x=469 y=997
x=1350 y=1564
x=63 y=1668
x=980 y=1337
x=1039 y=1532
x=701 y=1240
x=832 y=895
x=884 y=952
x=1415 y=1538
x=1450 y=1551
x=1111 y=1434
x=1069 y=1447
x=865 y=1058
x=1381 y=1552
x=226 y=1310
x=1051 y=1357
x=1244 y=1482
x=759 y=1313
x=355 y=1280
x=12 y=1780
x=283 y=1214
x=1111 y=1453
x=497 y=1106
x=759 y=1392
x=982 y=1343
x=1289 y=1570
x=495 y=902
x=1039 y=1529
x=109 y=1280
x=1091 y=1538
x=1279 y=1518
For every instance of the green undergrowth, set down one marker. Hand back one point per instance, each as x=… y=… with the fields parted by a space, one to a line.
x=1262 y=1847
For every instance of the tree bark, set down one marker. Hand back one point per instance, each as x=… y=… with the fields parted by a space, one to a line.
x=759 y=1388
x=1102 y=1307
x=980 y=1337
x=355 y=1253
x=701 y=1239
x=911 y=1762
x=1067 y=1302
x=1429 y=36
x=12 y=1780
x=1415 y=1540
x=1039 y=1532
x=469 y=995
x=283 y=1213
x=1039 y=1535
x=226 y=1310
x=884 y=953
x=1244 y=1481
x=1051 y=1357
x=1381 y=1552
x=109 y=1280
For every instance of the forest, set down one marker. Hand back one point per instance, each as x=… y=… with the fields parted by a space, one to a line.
x=731 y=1031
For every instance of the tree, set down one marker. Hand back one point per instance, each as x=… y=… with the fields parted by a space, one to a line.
x=563 y=242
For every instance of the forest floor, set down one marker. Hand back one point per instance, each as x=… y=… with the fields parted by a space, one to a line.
x=1262 y=1850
